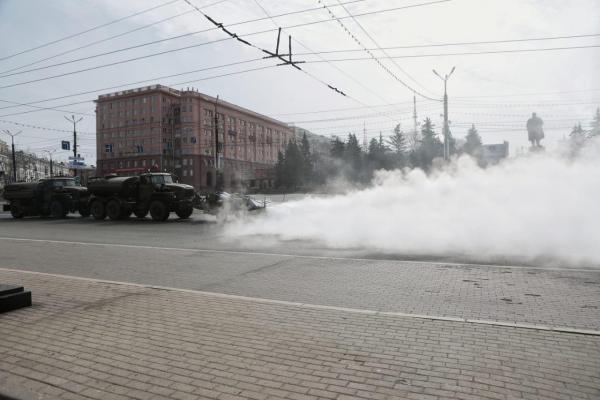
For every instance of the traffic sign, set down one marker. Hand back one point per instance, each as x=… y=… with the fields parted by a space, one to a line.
x=65 y=145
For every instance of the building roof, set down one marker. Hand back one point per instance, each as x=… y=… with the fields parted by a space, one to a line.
x=181 y=93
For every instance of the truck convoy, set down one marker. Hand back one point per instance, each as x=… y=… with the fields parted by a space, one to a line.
x=119 y=197
x=154 y=193
x=49 y=197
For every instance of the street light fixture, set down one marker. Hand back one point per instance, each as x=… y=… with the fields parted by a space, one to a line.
x=50 y=152
x=14 y=160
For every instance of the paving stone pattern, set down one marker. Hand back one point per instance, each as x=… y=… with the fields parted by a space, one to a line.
x=92 y=340
x=563 y=298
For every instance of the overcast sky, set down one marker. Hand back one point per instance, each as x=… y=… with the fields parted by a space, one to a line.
x=495 y=91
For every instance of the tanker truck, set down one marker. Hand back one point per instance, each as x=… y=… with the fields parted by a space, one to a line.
x=155 y=193
x=48 y=197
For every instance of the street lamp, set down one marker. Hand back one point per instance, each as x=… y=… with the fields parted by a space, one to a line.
x=50 y=152
x=14 y=160
x=446 y=127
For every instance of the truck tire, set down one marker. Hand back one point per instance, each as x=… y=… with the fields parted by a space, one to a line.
x=159 y=211
x=57 y=209
x=97 y=210
x=113 y=210
x=184 y=211
x=16 y=210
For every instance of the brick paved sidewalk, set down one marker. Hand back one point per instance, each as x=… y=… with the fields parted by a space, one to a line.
x=87 y=339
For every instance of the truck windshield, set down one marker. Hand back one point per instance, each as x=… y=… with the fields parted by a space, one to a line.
x=160 y=179
x=63 y=182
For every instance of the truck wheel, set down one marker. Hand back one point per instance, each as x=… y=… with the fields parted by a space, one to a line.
x=184 y=211
x=97 y=210
x=158 y=211
x=141 y=213
x=16 y=210
x=113 y=210
x=57 y=209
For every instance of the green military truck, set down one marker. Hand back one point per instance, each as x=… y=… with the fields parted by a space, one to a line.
x=54 y=197
x=154 y=193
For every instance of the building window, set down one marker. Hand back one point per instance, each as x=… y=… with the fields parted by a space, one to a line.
x=108 y=148
x=184 y=172
x=191 y=172
x=193 y=139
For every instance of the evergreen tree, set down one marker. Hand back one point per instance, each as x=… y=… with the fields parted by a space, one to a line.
x=353 y=157
x=595 y=132
x=473 y=144
x=307 y=160
x=431 y=146
x=292 y=165
x=337 y=148
x=280 y=180
x=398 y=141
x=577 y=138
x=374 y=149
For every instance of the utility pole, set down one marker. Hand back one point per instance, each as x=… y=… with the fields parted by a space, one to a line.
x=216 y=143
x=50 y=152
x=415 y=123
x=74 y=121
x=365 y=142
x=446 y=126
x=14 y=159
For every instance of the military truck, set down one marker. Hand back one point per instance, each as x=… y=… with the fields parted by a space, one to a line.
x=155 y=193
x=54 y=197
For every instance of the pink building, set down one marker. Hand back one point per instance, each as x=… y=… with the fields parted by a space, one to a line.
x=163 y=129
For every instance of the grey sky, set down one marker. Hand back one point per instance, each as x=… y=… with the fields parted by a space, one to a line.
x=496 y=92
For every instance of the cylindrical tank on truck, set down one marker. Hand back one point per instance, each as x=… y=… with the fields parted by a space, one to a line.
x=154 y=193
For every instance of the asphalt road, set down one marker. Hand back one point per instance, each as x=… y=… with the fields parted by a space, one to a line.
x=196 y=255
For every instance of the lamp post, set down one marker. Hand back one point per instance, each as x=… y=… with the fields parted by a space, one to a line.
x=50 y=152
x=14 y=160
x=446 y=127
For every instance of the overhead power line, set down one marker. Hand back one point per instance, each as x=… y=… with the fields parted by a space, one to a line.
x=88 y=30
x=177 y=37
x=45 y=128
x=174 y=84
x=85 y=46
x=419 y=46
x=357 y=22
x=154 y=79
x=203 y=43
x=356 y=81
x=17 y=104
x=463 y=53
x=270 y=54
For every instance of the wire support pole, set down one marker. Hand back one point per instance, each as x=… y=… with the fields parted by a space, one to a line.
x=446 y=125
x=14 y=159
x=74 y=122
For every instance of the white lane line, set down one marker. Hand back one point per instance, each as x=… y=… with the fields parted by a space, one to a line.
x=563 y=329
x=310 y=257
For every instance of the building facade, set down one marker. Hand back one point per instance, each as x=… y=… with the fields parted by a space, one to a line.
x=30 y=167
x=492 y=154
x=162 y=129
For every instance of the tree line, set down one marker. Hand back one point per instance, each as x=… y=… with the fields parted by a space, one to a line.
x=298 y=166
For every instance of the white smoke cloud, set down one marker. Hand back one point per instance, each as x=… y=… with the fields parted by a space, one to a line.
x=541 y=207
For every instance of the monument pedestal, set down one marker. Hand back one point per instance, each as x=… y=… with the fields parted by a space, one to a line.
x=13 y=297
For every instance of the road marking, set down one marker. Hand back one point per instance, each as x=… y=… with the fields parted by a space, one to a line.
x=310 y=257
x=563 y=329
